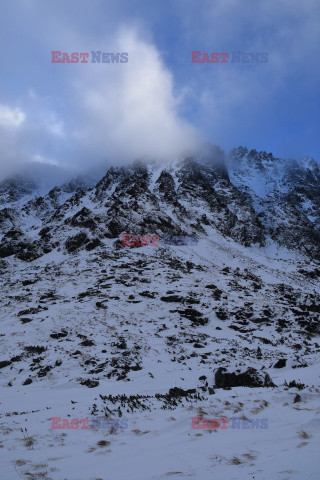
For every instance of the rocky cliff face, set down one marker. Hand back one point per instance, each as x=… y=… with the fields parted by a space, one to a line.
x=252 y=198
x=284 y=193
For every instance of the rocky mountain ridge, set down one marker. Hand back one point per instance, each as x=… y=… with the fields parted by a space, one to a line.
x=250 y=197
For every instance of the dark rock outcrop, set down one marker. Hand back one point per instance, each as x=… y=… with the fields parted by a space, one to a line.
x=250 y=378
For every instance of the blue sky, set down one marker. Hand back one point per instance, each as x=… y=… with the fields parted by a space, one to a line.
x=159 y=103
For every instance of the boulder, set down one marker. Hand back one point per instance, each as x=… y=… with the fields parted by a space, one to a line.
x=250 y=378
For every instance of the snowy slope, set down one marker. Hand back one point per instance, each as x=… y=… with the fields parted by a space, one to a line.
x=92 y=330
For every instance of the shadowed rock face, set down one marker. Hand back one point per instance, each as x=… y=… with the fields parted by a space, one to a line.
x=15 y=188
x=284 y=193
x=250 y=378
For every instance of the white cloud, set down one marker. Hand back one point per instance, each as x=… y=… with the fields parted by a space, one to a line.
x=40 y=159
x=111 y=112
x=29 y=135
x=11 y=117
x=129 y=110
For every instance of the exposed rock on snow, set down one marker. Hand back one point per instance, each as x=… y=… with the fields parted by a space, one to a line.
x=250 y=378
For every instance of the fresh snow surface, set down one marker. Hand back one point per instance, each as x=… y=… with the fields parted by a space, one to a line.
x=114 y=294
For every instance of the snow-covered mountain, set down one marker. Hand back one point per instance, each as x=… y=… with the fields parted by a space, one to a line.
x=253 y=198
x=284 y=193
x=224 y=328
